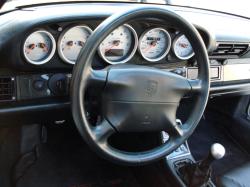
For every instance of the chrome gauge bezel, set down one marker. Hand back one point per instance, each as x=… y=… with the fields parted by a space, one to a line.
x=173 y=48
x=167 y=48
x=129 y=56
x=60 y=52
x=52 y=52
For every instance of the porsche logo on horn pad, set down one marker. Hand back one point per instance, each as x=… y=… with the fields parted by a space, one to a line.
x=151 y=88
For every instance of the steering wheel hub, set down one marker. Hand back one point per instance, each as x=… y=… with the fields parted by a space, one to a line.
x=140 y=98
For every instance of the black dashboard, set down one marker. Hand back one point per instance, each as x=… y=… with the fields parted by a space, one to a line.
x=38 y=74
x=18 y=60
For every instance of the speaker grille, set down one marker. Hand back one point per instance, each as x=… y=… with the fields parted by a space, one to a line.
x=7 y=89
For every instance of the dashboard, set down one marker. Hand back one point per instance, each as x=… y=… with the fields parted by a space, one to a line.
x=39 y=46
x=119 y=47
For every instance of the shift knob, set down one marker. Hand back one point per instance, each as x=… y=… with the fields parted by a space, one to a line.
x=217 y=151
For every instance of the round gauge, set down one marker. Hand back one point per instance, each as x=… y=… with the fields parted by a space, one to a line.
x=182 y=48
x=71 y=41
x=154 y=44
x=39 y=47
x=119 y=46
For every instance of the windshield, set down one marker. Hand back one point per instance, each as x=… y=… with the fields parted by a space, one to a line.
x=12 y=4
x=239 y=7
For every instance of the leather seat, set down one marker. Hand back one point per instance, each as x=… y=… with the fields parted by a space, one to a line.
x=238 y=177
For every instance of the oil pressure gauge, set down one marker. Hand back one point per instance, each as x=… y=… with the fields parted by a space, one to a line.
x=182 y=48
x=39 y=47
x=71 y=41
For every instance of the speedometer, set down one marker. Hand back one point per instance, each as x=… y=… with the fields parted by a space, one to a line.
x=119 y=46
x=154 y=44
x=71 y=41
x=182 y=48
x=39 y=47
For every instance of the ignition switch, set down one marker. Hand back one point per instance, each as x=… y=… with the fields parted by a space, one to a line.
x=58 y=84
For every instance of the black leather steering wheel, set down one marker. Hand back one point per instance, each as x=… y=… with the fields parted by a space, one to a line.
x=138 y=98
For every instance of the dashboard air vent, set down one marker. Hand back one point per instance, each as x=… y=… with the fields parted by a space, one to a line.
x=230 y=49
x=7 y=89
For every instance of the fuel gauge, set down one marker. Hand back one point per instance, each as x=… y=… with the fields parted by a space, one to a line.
x=39 y=47
x=71 y=41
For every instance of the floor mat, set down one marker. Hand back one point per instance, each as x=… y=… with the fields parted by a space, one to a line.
x=209 y=132
x=9 y=153
x=66 y=161
x=73 y=169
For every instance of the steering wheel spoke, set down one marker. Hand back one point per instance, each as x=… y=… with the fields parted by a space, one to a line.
x=196 y=85
x=175 y=130
x=103 y=131
x=97 y=78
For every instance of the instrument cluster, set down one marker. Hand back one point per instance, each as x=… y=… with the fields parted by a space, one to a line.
x=154 y=44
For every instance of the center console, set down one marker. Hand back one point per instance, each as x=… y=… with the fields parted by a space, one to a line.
x=180 y=158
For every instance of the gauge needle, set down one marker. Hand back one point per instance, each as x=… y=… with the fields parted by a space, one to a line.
x=43 y=46
x=81 y=43
x=30 y=47
x=115 y=43
x=183 y=45
x=70 y=43
x=152 y=44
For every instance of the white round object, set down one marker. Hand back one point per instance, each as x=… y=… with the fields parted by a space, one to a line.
x=39 y=47
x=119 y=46
x=182 y=48
x=154 y=44
x=71 y=41
x=218 y=151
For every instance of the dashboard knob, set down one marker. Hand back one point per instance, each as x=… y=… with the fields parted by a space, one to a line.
x=39 y=85
x=179 y=71
x=58 y=84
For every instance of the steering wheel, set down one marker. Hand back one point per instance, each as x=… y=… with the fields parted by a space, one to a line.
x=138 y=98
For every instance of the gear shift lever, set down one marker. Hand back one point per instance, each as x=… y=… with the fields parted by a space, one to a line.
x=217 y=151
x=198 y=174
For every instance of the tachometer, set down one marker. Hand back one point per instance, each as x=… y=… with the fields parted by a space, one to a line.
x=119 y=46
x=182 y=48
x=154 y=44
x=39 y=47
x=71 y=41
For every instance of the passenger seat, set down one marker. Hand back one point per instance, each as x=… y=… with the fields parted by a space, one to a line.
x=238 y=177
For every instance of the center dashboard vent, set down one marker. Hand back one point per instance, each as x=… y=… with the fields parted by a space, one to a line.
x=7 y=89
x=230 y=49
